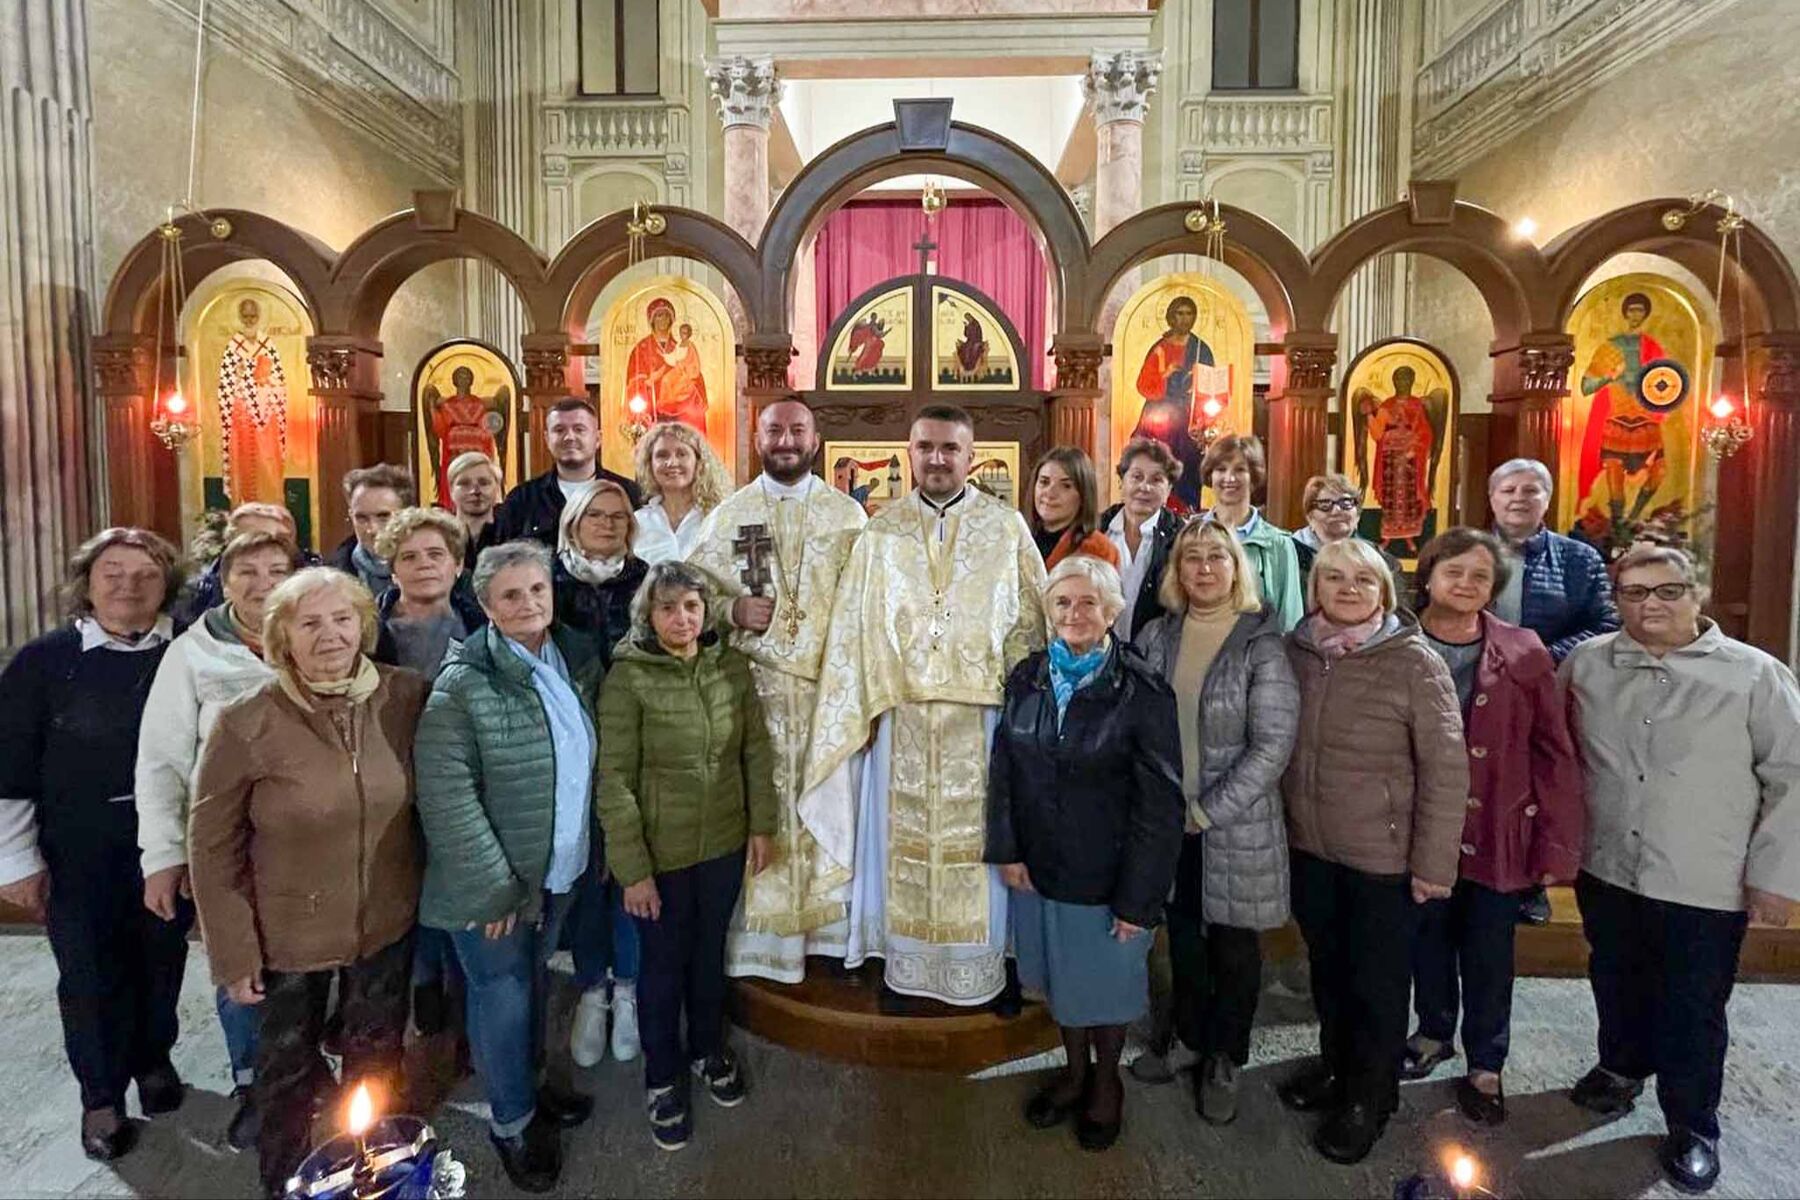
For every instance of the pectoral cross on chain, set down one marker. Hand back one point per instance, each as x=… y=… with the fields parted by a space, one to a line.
x=754 y=543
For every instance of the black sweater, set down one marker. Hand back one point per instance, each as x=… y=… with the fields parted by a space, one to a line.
x=69 y=735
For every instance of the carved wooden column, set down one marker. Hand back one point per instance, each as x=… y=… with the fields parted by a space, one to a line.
x=346 y=392
x=124 y=369
x=550 y=375
x=1075 y=404
x=766 y=360
x=1299 y=417
x=1530 y=382
x=1774 y=465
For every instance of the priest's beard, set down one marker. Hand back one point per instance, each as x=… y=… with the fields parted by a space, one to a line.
x=787 y=476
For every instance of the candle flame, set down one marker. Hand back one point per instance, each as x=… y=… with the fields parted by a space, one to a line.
x=637 y=405
x=176 y=404
x=362 y=1111
x=1212 y=407
x=1723 y=407
x=1462 y=1172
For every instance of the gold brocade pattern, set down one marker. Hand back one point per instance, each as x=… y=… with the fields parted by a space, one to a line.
x=937 y=885
x=832 y=521
x=801 y=889
x=881 y=654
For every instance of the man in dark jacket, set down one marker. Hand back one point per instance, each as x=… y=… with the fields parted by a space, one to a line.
x=374 y=494
x=531 y=510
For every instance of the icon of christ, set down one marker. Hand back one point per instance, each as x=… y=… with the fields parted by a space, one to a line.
x=1166 y=382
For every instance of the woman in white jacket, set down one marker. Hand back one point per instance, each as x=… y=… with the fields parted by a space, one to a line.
x=216 y=662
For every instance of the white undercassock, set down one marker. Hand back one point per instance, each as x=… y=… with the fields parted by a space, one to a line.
x=936 y=605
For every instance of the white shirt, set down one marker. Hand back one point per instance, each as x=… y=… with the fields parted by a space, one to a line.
x=1131 y=567
x=94 y=636
x=656 y=542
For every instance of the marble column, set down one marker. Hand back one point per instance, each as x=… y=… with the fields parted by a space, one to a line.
x=747 y=90
x=1118 y=87
x=1371 y=162
x=50 y=491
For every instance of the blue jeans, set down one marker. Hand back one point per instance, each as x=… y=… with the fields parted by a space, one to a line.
x=508 y=988
x=434 y=957
x=240 y=1023
x=1463 y=960
x=601 y=935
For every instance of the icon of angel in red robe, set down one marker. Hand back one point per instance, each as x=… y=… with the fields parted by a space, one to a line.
x=460 y=422
x=1406 y=433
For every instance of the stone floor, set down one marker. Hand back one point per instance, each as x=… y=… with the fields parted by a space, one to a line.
x=813 y=1128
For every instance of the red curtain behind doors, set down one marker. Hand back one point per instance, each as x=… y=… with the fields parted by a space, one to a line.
x=981 y=242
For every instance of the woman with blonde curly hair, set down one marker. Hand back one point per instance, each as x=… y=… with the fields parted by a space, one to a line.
x=683 y=480
x=304 y=852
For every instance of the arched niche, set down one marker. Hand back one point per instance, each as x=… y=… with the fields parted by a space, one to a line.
x=244 y=375
x=306 y=262
x=1183 y=341
x=601 y=252
x=666 y=353
x=966 y=152
x=374 y=266
x=1267 y=259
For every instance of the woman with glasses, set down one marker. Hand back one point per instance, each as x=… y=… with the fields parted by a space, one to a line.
x=1235 y=469
x=1333 y=507
x=1691 y=743
x=1376 y=791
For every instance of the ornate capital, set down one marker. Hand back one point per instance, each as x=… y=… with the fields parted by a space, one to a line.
x=1309 y=368
x=546 y=370
x=1545 y=368
x=331 y=367
x=766 y=365
x=1118 y=84
x=1778 y=386
x=747 y=89
x=1078 y=365
x=122 y=364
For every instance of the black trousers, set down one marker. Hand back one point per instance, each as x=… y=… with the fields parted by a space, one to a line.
x=683 y=966
x=1662 y=974
x=1467 y=940
x=373 y=998
x=119 y=965
x=1217 y=969
x=1359 y=931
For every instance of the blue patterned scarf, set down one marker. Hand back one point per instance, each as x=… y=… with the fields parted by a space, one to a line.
x=1070 y=671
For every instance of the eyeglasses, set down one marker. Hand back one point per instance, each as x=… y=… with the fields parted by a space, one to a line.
x=1637 y=593
x=1341 y=504
x=608 y=518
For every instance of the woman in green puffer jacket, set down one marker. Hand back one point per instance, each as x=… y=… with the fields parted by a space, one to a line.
x=686 y=794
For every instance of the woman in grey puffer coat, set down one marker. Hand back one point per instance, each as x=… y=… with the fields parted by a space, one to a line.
x=1221 y=650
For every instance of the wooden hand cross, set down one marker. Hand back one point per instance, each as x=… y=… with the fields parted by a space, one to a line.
x=754 y=543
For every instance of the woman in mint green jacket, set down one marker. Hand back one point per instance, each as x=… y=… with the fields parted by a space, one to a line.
x=1235 y=469
x=686 y=793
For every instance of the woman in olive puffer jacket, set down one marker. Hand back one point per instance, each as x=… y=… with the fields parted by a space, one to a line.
x=686 y=779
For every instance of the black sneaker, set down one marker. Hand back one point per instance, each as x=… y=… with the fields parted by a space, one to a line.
x=671 y=1123
x=532 y=1158
x=724 y=1082
x=246 y=1121
x=1534 y=907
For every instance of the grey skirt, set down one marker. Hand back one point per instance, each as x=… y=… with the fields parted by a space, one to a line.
x=1068 y=955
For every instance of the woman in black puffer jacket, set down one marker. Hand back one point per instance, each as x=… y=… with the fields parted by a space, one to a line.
x=596 y=574
x=1084 y=822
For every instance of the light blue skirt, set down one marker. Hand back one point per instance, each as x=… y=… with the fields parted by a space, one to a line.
x=1068 y=955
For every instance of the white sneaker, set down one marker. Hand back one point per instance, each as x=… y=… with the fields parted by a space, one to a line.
x=625 y=1041
x=587 y=1038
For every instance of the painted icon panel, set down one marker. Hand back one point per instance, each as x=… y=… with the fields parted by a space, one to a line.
x=875 y=474
x=464 y=398
x=873 y=352
x=970 y=352
x=1400 y=401
x=666 y=355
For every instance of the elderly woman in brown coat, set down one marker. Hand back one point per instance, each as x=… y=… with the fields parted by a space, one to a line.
x=304 y=852
x=1375 y=796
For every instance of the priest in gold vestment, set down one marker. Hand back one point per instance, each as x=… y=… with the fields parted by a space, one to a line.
x=938 y=602
x=801 y=530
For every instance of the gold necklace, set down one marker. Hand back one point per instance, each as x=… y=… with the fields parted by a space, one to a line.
x=787 y=582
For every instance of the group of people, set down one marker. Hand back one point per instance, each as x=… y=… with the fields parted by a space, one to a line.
x=691 y=733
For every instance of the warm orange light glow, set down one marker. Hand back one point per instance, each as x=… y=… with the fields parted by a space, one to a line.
x=638 y=405
x=362 y=1111
x=1462 y=1172
x=1526 y=229
x=1212 y=408
x=175 y=405
x=1722 y=408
